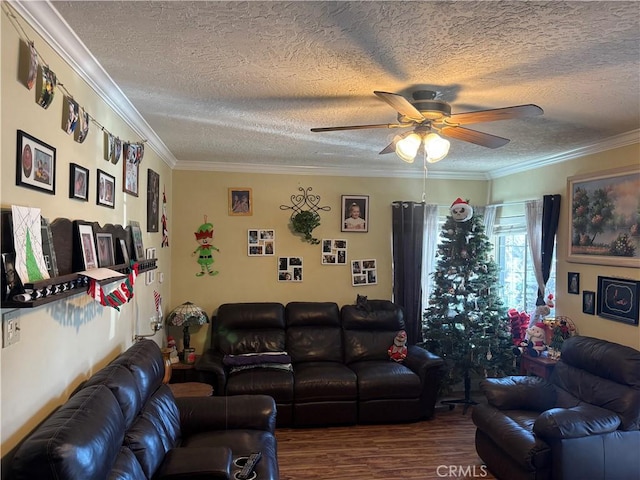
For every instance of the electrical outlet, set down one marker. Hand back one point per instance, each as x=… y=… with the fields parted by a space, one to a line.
x=10 y=328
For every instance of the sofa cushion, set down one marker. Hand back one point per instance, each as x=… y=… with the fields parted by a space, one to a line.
x=126 y=467
x=313 y=332
x=385 y=379
x=144 y=360
x=249 y=328
x=324 y=381
x=275 y=383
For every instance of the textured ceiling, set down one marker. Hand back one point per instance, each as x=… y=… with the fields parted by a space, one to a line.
x=238 y=85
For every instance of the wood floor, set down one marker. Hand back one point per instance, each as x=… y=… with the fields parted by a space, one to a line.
x=439 y=448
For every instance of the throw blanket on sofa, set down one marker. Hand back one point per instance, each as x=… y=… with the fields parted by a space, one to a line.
x=247 y=361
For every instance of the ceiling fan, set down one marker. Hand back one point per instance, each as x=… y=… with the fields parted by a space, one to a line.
x=429 y=116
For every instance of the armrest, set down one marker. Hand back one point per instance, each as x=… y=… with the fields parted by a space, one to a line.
x=211 y=369
x=576 y=422
x=195 y=463
x=519 y=393
x=421 y=361
x=254 y=412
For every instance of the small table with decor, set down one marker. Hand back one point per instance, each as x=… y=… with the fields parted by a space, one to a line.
x=541 y=366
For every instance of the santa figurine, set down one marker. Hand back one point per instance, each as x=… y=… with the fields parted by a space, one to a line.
x=398 y=351
x=460 y=210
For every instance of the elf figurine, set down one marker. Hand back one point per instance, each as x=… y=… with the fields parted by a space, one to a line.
x=204 y=237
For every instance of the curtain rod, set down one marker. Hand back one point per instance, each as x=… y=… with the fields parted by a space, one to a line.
x=508 y=204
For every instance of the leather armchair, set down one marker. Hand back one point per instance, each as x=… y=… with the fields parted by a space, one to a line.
x=582 y=423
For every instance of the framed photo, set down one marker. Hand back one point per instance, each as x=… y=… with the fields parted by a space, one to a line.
x=150 y=275
x=589 y=302
x=261 y=242
x=78 y=182
x=106 y=189
x=132 y=155
x=573 y=283
x=618 y=299
x=334 y=252
x=240 y=201
x=48 y=250
x=124 y=252
x=106 y=258
x=87 y=245
x=355 y=213
x=36 y=164
x=153 y=200
x=289 y=269
x=136 y=236
x=364 y=272
x=603 y=216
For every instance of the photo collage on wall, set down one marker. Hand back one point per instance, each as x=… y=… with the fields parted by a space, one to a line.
x=261 y=242
x=334 y=252
x=289 y=269
x=363 y=272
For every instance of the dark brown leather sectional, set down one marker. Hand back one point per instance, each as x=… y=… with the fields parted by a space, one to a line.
x=340 y=369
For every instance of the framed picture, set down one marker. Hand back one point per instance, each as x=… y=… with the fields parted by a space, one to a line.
x=261 y=242
x=106 y=188
x=35 y=164
x=124 y=252
x=150 y=276
x=618 y=299
x=355 y=213
x=589 y=302
x=603 y=218
x=132 y=155
x=573 y=283
x=289 y=269
x=240 y=201
x=334 y=252
x=136 y=236
x=153 y=200
x=106 y=258
x=48 y=251
x=87 y=245
x=363 y=272
x=78 y=182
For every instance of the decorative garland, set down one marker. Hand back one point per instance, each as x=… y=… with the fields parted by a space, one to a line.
x=119 y=296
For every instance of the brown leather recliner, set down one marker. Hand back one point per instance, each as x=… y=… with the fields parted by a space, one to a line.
x=582 y=423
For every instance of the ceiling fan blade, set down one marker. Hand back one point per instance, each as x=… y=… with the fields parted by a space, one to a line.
x=361 y=127
x=391 y=148
x=519 y=111
x=402 y=105
x=473 y=136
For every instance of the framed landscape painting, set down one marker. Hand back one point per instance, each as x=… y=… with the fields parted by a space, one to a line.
x=604 y=220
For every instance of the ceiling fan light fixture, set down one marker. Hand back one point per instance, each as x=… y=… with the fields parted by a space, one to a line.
x=407 y=147
x=436 y=147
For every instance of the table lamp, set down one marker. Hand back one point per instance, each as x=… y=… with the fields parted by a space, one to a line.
x=187 y=315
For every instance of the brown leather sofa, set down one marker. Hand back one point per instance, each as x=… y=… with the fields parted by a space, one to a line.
x=124 y=424
x=339 y=372
x=584 y=423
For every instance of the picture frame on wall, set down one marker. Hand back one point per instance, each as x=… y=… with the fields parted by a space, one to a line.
x=573 y=283
x=618 y=299
x=334 y=252
x=35 y=164
x=106 y=189
x=589 y=302
x=136 y=237
x=355 y=213
x=240 y=201
x=131 y=168
x=106 y=257
x=290 y=269
x=153 y=200
x=602 y=212
x=261 y=242
x=364 y=272
x=87 y=244
x=78 y=182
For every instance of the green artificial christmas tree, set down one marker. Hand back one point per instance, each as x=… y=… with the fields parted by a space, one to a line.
x=466 y=322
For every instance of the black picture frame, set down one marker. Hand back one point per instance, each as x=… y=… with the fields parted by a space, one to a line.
x=48 y=250
x=104 y=243
x=124 y=252
x=573 y=283
x=589 y=302
x=153 y=200
x=87 y=258
x=136 y=238
x=105 y=189
x=78 y=182
x=35 y=164
x=618 y=299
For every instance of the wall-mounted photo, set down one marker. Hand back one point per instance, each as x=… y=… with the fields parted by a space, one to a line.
x=261 y=242
x=289 y=269
x=589 y=302
x=355 y=213
x=573 y=283
x=78 y=182
x=153 y=200
x=364 y=272
x=36 y=164
x=618 y=299
x=240 y=201
x=132 y=155
x=603 y=218
x=106 y=189
x=334 y=252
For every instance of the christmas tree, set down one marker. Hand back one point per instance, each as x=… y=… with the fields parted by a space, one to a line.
x=466 y=322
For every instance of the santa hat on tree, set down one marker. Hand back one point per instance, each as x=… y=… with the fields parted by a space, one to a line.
x=459 y=201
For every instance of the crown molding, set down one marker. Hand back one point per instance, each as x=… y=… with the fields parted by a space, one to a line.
x=47 y=22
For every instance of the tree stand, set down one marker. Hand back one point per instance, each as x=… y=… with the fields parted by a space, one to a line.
x=466 y=401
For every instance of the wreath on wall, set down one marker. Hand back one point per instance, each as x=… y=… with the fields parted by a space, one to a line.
x=304 y=222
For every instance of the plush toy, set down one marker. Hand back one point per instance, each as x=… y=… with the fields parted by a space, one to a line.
x=537 y=336
x=460 y=210
x=398 y=351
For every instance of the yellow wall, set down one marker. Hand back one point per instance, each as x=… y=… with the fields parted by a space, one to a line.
x=551 y=180
x=63 y=343
x=248 y=279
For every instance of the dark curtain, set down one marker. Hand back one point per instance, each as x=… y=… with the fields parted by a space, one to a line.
x=550 y=216
x=408 y=238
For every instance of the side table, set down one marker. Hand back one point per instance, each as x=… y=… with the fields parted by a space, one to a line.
x=183 y=372
x=191 y=389
x=538 y=366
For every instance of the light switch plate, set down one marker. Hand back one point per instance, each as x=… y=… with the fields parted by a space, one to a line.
x=10 y=328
